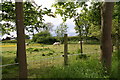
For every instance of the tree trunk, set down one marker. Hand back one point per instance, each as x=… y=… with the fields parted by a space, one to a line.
x=33 y=31
x=106 y=40
x=21 y=40
x=80 y=36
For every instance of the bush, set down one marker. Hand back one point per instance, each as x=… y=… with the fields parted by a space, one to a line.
x=92 y=42
x=88 y=40
x=44 y=38
x=73 y=38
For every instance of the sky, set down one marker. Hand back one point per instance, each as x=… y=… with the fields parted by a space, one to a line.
x=56 y=21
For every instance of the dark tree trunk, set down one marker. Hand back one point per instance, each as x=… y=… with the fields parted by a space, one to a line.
x=33 y=31
x=21 y=40
x=80 y=35
x=81 y=46
x=106 y=41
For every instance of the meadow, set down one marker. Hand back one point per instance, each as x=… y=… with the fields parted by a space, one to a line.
x=46 y=61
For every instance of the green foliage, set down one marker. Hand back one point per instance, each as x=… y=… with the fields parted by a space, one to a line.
x=95 y=13
x=68 y=9
x=8 y=9
x=36 y=23
x=27 y=37
x=6 y=28
x=95 y=31
x=73 y=38
x=116 y=25
x=92 y=42
x=44 y=37
x=94 y=19
x=30 y=11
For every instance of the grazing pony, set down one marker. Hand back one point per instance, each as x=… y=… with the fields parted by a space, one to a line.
x=56 y=43
x=26 y=44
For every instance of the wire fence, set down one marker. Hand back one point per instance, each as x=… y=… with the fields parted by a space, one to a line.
x=42 y=59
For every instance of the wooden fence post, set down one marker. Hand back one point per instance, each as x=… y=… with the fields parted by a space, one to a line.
x=65 y=50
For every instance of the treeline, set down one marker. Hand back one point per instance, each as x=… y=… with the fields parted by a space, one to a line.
x=47 y=38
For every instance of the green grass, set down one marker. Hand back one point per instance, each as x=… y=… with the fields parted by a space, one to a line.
x=54 y=67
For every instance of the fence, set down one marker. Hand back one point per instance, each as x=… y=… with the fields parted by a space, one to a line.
x=65 y=56
x=40 y=60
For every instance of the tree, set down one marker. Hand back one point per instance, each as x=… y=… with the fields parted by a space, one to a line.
x=94 y=18
x=31 y=24
x=82 y=26
x=106 y=42
x=60 y=31
x=95 y=22
x=70 y=10
x=36 y=23
x=79 y=27
x=21 y=51
x=48 y=26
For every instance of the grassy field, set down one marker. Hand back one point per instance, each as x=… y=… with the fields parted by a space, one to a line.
x=46 y=61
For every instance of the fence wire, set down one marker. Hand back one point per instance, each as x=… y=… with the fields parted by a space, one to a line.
x=41 y=59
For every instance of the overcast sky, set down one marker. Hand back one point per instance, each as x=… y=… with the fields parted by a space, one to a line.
x=56 y=21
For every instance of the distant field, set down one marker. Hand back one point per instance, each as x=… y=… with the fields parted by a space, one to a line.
x=40 y=61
